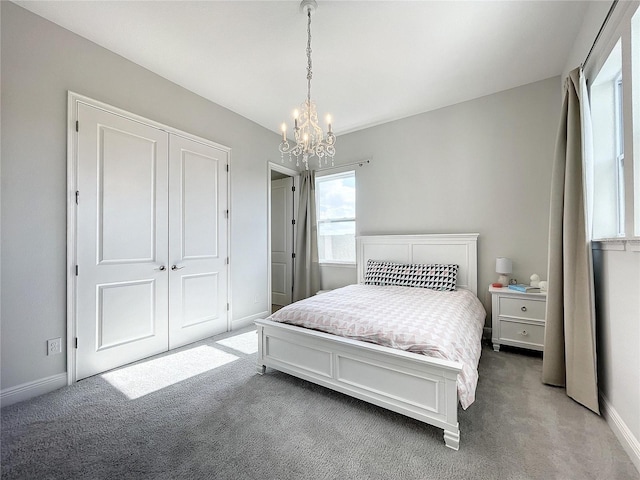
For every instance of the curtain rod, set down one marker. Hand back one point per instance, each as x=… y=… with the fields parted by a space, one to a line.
x=604 y=24
x=361 y=163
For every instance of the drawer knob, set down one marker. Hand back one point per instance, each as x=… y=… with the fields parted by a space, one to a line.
x=523 y=308
x=524 y=333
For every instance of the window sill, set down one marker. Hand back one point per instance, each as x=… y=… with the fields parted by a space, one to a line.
x=616 y=244
x=338 y=264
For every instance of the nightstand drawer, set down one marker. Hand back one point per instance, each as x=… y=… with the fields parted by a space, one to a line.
x=522 y=308
x=522 y=332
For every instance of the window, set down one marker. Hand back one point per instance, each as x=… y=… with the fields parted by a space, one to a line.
x=615 y=116
x=608 y=148
x=336 y=214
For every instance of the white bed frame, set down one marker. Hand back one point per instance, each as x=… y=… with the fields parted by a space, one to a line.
x=420 y=387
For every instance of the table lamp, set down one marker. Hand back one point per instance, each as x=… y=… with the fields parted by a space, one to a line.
x=503 y=268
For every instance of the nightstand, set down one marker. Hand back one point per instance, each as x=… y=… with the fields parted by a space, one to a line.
x=517 y=319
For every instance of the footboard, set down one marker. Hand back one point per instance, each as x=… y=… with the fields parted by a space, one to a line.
x=414 y=385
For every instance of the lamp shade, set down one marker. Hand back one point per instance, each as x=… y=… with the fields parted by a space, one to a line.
x=503 y=265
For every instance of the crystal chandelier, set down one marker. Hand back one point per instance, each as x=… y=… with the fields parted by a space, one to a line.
x=309 y=137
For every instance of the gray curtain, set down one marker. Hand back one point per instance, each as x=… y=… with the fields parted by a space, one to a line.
x=307 y=271
x=569 y=345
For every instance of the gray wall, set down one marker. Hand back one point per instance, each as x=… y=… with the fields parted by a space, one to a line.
x=479 y=166
x=618 y=335
x=40 y=62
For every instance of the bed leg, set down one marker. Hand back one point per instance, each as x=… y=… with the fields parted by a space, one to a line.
x=261 y=368
x=452 y=439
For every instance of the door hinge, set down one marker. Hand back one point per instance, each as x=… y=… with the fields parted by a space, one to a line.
x=293 y=222
x=76 y=342
x=293 y=189
x=226 y=214
x=227 y=261
x=293 y=255
x=77 y=126
x=227 y=167
x=227 y=307
x=77 y=196
x=76 y=270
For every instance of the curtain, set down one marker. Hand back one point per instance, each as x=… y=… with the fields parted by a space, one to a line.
x=569 y=345
x=307 y=270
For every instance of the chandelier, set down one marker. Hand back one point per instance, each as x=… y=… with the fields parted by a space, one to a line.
x=309 y=138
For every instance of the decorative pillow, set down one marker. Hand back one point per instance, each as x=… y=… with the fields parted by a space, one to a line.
x=432 y=276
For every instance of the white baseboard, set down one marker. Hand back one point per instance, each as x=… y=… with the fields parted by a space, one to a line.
x=246 y=321
x=628 y=441
x=28 y=390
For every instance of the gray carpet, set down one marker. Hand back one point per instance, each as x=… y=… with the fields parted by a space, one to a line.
x=173 y=418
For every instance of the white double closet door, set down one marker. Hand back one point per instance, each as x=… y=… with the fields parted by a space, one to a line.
x=151 y=242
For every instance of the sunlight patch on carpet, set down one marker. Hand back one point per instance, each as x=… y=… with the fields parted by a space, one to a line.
x=143 y=378
x=245 y=342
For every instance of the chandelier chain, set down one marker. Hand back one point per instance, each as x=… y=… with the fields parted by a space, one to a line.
x=309 y=72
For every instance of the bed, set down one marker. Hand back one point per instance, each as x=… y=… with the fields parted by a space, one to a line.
x=422 y=387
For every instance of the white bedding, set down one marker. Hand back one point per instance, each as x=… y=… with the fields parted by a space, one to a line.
x=446 y=325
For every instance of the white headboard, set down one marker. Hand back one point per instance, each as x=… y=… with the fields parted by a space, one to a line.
x=458 y=248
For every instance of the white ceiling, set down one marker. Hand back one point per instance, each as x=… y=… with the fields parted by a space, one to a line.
x=373 y=61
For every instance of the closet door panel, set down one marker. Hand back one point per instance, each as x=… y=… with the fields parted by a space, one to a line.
x=126 y=176
x=197 y=241
x=199 y=208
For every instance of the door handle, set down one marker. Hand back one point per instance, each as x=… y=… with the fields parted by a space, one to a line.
x=162 y=268
x=175 y=267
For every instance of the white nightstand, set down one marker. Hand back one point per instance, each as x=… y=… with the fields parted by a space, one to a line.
x=517 y=319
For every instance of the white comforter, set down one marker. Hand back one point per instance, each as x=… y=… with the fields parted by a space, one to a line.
x=445 y=325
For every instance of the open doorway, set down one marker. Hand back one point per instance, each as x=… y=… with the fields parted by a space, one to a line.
x=282 y=230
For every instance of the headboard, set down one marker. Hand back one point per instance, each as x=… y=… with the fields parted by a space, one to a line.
x=458 y=248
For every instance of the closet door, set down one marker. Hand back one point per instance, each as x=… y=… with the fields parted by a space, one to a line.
x=197 y=241
x=122 y=241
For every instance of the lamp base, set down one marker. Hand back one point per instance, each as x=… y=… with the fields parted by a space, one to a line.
x=504 y=280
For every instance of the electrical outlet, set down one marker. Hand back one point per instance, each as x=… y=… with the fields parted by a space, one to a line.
x=54 y=346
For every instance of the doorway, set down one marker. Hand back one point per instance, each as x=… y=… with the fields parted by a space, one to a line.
x=282 y=231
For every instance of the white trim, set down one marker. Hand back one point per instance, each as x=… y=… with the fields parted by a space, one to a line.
x=334 y=264
x=72 y=186
x=250 y=320
x=616 y=244
x=73 y=99
x=28 y=390
x=229 y=244
x=629 y=442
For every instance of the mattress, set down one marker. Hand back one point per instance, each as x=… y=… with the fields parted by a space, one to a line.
x=445 y=325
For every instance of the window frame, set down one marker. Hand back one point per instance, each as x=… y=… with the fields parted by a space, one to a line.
x=619 y=155
x=350 y=173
